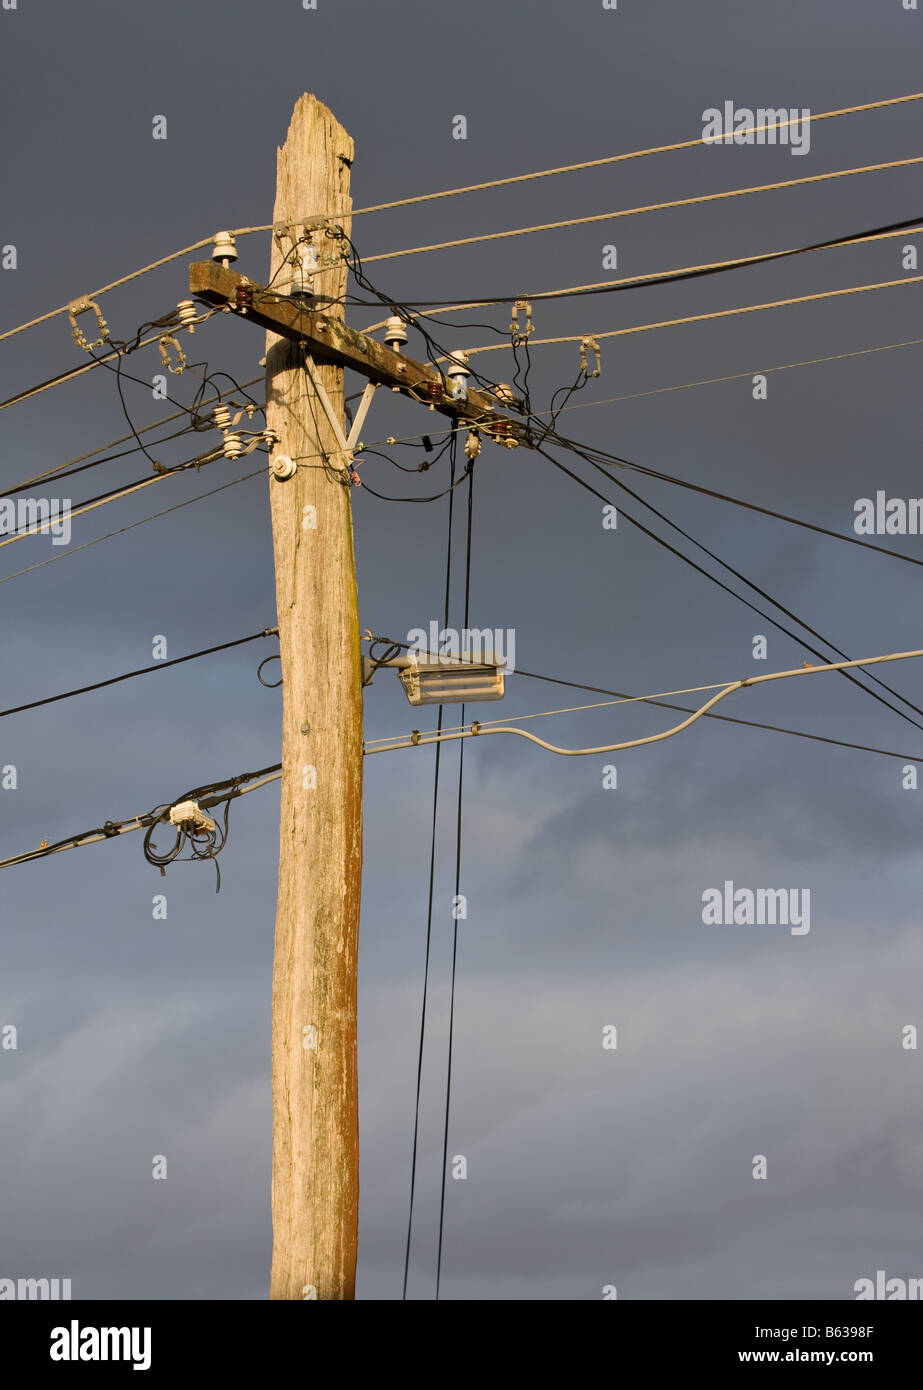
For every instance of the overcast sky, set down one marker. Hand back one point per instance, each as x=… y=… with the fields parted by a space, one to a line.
x=587 y=1167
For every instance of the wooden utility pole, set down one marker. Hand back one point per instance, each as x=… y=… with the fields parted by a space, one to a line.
x=315 y=1162
x=315 y=1187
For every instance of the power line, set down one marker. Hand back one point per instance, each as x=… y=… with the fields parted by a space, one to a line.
x=155 y=516
x=664 y=277
x=619 y=158
x=113 y=496
x=701 y=318
x=454 y=192
x=619 y=462
x=432 y=880
x=167 y=321
x=738 y=376
x=458 y=858
x=479 y=730
x=66 y=470
x=142 y=671
x=636 y=211
x=208 y=796
x=546 y=431
x=104 y=289
x=727 y=589
x=117 y=350
x=622 y=696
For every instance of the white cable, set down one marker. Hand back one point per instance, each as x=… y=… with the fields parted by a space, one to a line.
x=478 y=730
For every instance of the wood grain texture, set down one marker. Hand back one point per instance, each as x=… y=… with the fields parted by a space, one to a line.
x=315 y=1183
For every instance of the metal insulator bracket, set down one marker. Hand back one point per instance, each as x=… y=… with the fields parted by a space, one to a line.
x=589 y=344
x=522 y=306
x=82 y=306
x=165 y=344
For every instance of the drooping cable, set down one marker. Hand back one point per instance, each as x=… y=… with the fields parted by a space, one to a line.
x=659 y=540
x=432 y=876
x=455 y=917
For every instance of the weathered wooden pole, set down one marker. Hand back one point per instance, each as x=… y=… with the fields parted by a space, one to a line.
x=315 y=1177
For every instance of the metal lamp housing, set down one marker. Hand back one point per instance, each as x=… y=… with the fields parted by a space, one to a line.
x=436 y=683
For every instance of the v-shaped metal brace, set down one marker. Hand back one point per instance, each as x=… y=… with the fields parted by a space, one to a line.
x=348 y=442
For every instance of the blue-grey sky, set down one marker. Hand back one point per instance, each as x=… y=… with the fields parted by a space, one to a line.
x=586 y=1167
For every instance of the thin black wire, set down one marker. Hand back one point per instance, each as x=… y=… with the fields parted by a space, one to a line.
x=115 y=349
x=727 y=589
x=617 y=461
x=94 y=463
x=65 y=470
x=432 y=879
x=762 y=592
x=208 y=379
x=670 y=277
x=34 y=528
x=725 y=718
x=436 y=496
x=458 y=855
x=154 y=516
x=143 y=671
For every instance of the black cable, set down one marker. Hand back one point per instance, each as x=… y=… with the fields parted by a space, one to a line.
x=208 y=379
x=407 y=316
x=618 y=461
x=75 y=550
x=763 y=594
x=435 y=498
x=143 y=671
x=432 y=879
x=64 y=471
x=670 y=277
x=111 y=829
x=721 y=585
x=781 y=607
x=115 y=351
x=43 y=385
x=458 y=854
x=94 y=463
x=124 y=489
x=117 y=369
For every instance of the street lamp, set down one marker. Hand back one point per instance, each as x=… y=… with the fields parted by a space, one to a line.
x=442 y=680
